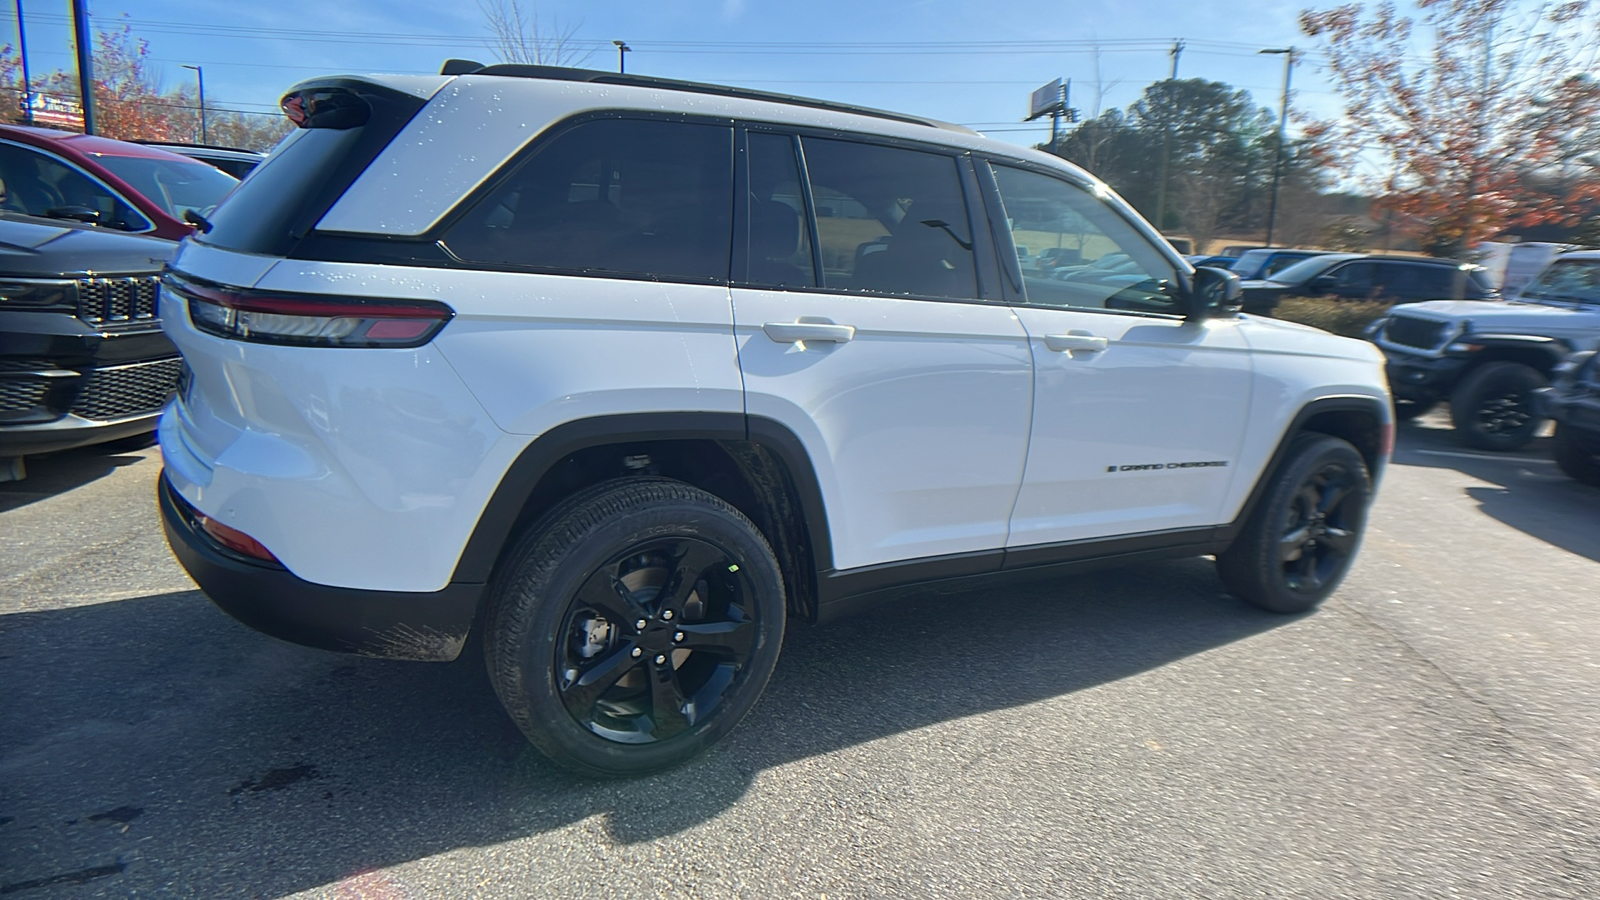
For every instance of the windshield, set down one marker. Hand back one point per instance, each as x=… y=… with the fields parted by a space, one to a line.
x=176 y=187
x=1247 y=265
x=1307 y=269
x=1570 y=281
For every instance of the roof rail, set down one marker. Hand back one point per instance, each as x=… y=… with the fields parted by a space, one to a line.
x=594 y=76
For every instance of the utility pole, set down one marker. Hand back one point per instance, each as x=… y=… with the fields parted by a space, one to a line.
x=1482 y=129
x=1283 y=133
x=80 y=34
x=1166 y=143
x=200 y=75
x=622 y=48
x=27 y=84
x=1062 y=102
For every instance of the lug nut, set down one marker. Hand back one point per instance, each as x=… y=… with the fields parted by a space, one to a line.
x=660 y=658
x=667 y=615
x=640 y=625
x=678 y=637
x=637 y=653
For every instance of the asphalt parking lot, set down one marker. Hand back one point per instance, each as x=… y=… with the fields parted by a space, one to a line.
x=1431 y=731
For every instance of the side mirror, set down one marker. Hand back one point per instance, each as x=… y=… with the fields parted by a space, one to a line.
x=75 y=213
x=1217 y=293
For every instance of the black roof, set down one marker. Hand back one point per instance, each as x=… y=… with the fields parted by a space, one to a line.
x=595 y=76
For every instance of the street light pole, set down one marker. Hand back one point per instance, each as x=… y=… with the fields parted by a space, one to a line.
x=1166 y=142
x=27 y=84
x=80 y=37
x=200 y=76
x=1283 y=133
x=622 y=67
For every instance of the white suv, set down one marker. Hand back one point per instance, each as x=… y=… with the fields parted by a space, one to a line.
x=619 y=373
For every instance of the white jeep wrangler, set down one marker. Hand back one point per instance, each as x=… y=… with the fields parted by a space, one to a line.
x=618 y=373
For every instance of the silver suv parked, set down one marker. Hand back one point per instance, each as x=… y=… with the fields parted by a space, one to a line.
x=1490 y=357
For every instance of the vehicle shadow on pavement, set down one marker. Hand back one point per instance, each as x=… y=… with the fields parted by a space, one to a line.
x=50 y=474
x=1524 y=489
x=158 y=744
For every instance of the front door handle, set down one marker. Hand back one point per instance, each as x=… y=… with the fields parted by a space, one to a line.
x=1076 y=340
x=808 y=328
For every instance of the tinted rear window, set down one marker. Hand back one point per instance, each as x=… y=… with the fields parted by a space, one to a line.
x=612 y=196
x=285 y=196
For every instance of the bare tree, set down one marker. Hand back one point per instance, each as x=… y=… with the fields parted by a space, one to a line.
x=520 y=36
x=1201 y=204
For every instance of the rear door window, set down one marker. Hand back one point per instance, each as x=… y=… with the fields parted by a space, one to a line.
x=890 y=220
x=617 y=197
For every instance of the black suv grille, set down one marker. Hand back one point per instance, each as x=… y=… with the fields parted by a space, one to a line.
x=1419 y=333
x=19 y=395
x=117 y=301
x=127 y=390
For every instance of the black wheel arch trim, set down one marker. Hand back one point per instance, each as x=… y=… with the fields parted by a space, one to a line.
x=507 y=505
x=1225 y=534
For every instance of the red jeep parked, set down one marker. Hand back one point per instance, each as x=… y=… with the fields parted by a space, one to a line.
x=115 y=184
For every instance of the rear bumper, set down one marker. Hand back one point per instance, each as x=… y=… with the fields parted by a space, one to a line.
x=430 y=627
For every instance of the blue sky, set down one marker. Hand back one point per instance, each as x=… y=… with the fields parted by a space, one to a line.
x=964 y=62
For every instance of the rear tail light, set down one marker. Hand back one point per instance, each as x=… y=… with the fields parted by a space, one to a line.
x=234 y=539
x=311 y=320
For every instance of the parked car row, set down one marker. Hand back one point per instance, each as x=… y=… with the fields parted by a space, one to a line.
x=1365 y=276
x=1270 y=274
x=86 y=225
x=1507 y=366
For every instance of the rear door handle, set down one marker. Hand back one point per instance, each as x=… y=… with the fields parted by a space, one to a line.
x=809 y=329
x=1076 y=340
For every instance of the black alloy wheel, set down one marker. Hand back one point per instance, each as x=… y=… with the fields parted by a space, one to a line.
x=633 y=626
x=655 y=641
x=1303 y=534
x=1319 y=533
x=1493 y=406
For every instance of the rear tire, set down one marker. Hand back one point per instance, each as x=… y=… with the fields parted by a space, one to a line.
x=1578 y=455
x=1303 y=535
x=634 y=626
x=1493 y=406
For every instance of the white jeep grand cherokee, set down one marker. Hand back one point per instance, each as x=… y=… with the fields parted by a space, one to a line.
x=619 y=373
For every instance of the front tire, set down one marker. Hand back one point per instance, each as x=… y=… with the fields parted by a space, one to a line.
x=634 y=626
x=1578 y=455
x=1407 y=409
x=1493 y=406
x=1301 y=538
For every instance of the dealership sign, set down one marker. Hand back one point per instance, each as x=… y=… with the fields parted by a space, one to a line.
x=49 y=110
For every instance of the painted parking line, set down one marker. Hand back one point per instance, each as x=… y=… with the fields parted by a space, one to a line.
x=1495 y=457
